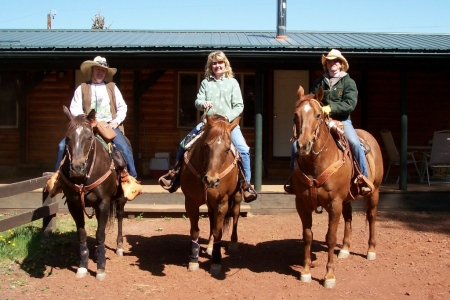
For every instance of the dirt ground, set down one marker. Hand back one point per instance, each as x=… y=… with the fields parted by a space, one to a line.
x=413 y=262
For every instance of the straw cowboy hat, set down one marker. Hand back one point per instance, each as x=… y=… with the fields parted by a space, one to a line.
x=86 y=67
x=333 y=54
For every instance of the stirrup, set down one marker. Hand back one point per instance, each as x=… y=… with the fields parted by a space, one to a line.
x=130 y=186
x=53 y=185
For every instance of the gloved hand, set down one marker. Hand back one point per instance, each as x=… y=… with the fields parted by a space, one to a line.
x=326 y=110
x=113 y=124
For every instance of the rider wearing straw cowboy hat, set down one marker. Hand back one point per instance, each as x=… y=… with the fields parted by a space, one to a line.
x=107 y=100
x=340 y=99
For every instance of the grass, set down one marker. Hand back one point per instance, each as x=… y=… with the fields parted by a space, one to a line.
x=30 y=249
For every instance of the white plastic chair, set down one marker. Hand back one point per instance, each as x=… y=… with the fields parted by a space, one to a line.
x=438 y=160
x=394 y=156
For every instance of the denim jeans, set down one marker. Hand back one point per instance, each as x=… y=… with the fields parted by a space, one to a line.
x=238 y=140
x=354 y=144
x=120 y=143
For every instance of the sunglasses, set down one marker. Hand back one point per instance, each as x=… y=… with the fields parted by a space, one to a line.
x=217 y=63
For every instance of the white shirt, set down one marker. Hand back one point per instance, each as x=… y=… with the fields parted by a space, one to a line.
x=100 y=102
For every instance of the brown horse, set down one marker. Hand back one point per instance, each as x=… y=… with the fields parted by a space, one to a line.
x=323 y=177
x=210 y=175
x=89 y=180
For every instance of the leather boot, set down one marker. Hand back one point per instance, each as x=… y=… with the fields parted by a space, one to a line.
x=249 y=193
x=171 y=180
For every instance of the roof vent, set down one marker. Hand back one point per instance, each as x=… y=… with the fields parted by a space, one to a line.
x=281 y=20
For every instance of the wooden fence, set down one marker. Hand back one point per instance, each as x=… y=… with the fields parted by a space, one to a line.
x=47 y=211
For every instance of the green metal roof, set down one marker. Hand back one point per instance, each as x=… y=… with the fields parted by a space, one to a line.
x=246 y=41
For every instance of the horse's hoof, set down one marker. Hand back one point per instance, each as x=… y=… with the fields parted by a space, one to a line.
x=193 y=266
x=81 y=272
x=216 y=269
x=371 y=255
x=233 y=247
x=344 y=254
x=305 y=278
x=119 y=252
x=209 y=251
x=329 y=283
x=101 y=275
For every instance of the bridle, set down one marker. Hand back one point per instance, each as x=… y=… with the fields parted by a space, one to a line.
x=200 y=175
x=83 y=188
x=317 y=130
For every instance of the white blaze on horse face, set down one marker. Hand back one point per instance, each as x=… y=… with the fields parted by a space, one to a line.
x=78 y=131
x=219 y=141
x=307 y=107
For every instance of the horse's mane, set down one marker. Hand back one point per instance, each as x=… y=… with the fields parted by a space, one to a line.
x=76 y=122
x=217 y=128
x=306 y=97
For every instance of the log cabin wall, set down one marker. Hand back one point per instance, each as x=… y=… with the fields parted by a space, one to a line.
x=428 y=108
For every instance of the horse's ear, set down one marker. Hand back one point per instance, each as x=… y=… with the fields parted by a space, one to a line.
x=235 y=122
x=91 y=115
x=300 y=92
x=319 y=94
x=67 y=113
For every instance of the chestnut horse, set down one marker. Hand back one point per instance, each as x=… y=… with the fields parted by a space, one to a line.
x=210 y=175
x=88 y=179
x=326 y=181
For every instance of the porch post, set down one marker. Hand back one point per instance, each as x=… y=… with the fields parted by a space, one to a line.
x=403 y=129
x=258 y=130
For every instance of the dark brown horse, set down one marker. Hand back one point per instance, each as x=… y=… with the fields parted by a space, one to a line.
x=323 y=177
x=89 y=179
x=210 y=175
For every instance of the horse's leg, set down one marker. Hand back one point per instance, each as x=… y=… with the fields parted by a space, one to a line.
x=220 y=212
x=209 y=248
x=306 y=218
x=347 y=214
x=102 y=213
x=236 y=211
x=120 y=214
x=334 y=213
x=193 y=213
x=371 y=217
x=78 y=217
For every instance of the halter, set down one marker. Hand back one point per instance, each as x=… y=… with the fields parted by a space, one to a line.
x=316 y=131
x=82 y=188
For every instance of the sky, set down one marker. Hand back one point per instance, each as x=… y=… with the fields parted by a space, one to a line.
x=413 y=16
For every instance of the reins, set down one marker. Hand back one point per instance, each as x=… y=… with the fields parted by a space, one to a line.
x=82 y=188
x=315 y=183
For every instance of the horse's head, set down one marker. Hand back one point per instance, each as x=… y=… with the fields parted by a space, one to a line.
x=79 y=142
x=217 y=145
x=308 y=117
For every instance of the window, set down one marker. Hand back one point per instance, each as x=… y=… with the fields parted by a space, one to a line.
x=8 y=103
x=188 y=85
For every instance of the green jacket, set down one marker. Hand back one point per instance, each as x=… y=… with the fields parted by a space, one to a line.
x=225 y=95
x=342 y=96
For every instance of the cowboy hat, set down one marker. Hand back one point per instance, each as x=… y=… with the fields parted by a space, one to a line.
x=333 y=54
x=86 y=67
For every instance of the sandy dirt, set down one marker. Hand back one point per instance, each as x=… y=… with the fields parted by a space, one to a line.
x=413 y=262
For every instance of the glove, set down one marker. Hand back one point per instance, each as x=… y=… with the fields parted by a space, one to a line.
x=326 y=110
x=113 y=124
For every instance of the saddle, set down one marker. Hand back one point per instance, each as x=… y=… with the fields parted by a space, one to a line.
x=130 y=186
x=341 y=141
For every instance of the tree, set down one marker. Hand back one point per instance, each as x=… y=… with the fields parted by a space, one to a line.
x=99 y=22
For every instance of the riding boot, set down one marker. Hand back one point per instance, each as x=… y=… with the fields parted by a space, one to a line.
x=53 y=185
x=249 y=193
x=171 y=180
x=365 y=187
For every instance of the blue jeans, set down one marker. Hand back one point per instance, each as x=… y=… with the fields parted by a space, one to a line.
x=354 y=144
x=120 y=143
x=238 y=140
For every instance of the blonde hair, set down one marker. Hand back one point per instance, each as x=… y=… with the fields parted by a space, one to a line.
x=220 y=56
